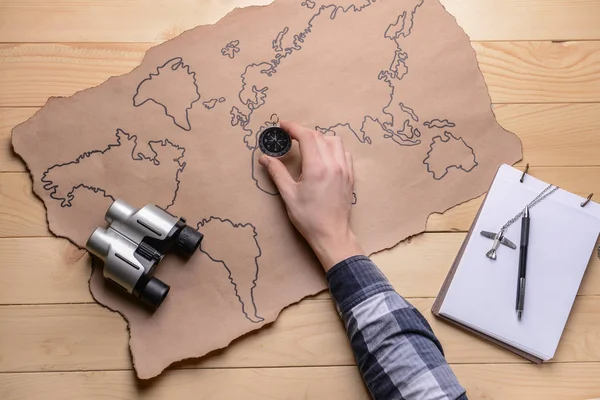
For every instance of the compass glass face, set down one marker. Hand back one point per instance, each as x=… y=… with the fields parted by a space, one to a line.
x=274 y=142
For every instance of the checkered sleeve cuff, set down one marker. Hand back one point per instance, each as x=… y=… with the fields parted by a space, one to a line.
x=355 y=279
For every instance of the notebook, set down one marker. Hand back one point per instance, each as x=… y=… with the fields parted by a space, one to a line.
x=479 y=294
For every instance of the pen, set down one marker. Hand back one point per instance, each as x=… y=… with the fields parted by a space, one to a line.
x=522 y=262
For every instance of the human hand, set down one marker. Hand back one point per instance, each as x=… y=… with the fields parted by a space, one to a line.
x=320 y=201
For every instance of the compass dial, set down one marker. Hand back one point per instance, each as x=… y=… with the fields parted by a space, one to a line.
x=274 y=142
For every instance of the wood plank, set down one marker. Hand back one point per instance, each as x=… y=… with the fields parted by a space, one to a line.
x=22 y=214
x=43 y=270
x=527 y=20
x=574 y=381
x=54 y=271
x=9 y=118
x=552 y=134
x=456 y=219
x=88 y=337
x=540 y=72
x=521 y=72
x=109 y=21
x=142 y=21
x=579 y=180
x=322 y=383
x=30 y=73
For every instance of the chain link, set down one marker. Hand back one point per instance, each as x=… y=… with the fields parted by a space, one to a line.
x=543 y=194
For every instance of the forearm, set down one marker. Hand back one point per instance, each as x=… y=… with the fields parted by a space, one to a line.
x=335 y=248
x=396 y=351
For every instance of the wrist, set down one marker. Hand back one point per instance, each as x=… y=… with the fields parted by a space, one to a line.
x=336 y=248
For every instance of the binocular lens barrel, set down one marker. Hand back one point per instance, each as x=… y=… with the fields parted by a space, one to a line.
x=154 y=293
x=99 y=243
x=188 y=241
x=135 y=242
x=119 y=211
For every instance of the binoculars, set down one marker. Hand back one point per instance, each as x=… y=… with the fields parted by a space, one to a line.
x=135 y=242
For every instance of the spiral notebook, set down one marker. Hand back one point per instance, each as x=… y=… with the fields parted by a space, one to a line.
x=479 y=293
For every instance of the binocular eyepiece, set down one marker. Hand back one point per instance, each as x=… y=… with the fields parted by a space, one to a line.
x=135 y=242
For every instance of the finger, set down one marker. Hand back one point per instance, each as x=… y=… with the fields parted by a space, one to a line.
x=325 y=149
x=307 y=139
x=278 y=172
x=295 y=130
x=350 y=163
x=336 y=145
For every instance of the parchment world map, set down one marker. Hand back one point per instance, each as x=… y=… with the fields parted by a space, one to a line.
x=396 y=78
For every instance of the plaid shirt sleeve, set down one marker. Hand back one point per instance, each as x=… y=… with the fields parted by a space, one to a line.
x=397 y=353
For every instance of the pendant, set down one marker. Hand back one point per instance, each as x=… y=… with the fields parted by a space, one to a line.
x=498 y=239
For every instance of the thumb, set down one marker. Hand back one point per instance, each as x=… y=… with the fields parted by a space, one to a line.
x=277 y=171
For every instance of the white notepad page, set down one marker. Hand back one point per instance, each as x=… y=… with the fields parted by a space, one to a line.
x=562 y=238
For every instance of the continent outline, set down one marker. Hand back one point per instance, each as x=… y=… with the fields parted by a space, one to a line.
x=230 y=274
x=231 y=49
x=270 y=67
x=438 y=123
x=210 y=104
x=49 y=185
x=152 y=75
x=448 y=136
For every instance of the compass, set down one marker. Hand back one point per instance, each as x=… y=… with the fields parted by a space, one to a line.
x=274 y=141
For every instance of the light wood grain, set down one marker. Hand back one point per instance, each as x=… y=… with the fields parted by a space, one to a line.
x=539 y=72
x=108 y=20
x=31 y=72
x=321 y=383
x=573 y=381
x=43 y=270
x=144 y=21
x=9 y=118
x=50 y=270
x=88 y=337
x=22 y=214
x=527 y=19
x=552 y=134
x=515 y=72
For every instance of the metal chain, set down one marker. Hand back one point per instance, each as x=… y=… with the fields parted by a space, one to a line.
x=543 y=194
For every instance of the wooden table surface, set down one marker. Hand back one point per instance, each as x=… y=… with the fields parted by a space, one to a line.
x=541 y=61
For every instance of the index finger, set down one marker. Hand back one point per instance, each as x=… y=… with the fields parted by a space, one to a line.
x=309 y=148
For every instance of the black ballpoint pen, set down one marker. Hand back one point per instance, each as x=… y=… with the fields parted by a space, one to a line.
x=522 y=262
